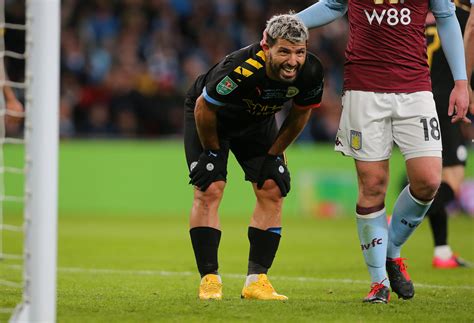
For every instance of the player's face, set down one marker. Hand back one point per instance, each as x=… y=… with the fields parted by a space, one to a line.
x=285 y=59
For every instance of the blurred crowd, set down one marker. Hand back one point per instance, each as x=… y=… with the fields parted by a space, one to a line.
x=126 y=65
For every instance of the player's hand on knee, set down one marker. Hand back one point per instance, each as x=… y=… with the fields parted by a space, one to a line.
x=210 y=165
x=274 y=167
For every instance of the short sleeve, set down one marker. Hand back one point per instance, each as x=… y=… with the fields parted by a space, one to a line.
x=312 y=84
x=442 y=8
x=221 y=85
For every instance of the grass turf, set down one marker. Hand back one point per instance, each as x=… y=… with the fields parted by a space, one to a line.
x=141 y=269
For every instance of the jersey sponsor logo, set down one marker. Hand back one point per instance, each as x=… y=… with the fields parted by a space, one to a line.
x=226 y=86
x=258 y=109
x=356 y=140
x=270 y=94
x=391 y=16
x=375 y=242
x=292 y=91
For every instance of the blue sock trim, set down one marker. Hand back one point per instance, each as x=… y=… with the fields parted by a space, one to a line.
x=276 y=230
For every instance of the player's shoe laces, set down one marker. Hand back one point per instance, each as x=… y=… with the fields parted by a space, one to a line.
x=379 y=293
x=261 y=289
x=399 y=279
x=453 y=262
x=211 y=287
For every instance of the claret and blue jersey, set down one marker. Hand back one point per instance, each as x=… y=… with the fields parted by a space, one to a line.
x=387 y=41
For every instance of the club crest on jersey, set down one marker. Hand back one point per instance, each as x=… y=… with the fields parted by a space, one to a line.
x=292 y=91
x=356 y=140
x=226 y=86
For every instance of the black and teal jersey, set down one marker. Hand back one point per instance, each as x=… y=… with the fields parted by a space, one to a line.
x=240 y=87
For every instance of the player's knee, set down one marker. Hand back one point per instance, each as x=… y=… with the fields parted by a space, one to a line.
x=374 y=187
x=212 y=195
x=270 y=192
x=425 y=189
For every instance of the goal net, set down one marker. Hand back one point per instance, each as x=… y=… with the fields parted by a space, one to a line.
x=28 y=163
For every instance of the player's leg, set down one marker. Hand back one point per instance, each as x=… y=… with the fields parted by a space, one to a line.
x=452 y=177
x=372 y=224
x=444 y=257
x=265 y=228
x=416 y=132
x=204 y=220
x=205 y=238
x=264 y=232
x=365 y=134
x=264 y=235
x=424 y=174
x=454 y=161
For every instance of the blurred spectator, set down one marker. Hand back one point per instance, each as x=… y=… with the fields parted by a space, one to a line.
x=127 y=64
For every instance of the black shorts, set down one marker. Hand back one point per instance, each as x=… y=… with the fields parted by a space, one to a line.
x=454 y=143
x=248 y=141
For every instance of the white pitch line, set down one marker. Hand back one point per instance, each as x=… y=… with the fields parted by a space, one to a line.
x=236 y=276
x=239 y=276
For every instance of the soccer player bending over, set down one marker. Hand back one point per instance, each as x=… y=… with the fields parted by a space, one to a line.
x=232 y=108
x=387 y=98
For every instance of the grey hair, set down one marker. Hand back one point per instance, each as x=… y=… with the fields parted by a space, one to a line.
x=286 y=26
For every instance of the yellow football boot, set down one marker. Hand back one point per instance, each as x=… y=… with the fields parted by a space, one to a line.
x=211 y=287
x=261 y=289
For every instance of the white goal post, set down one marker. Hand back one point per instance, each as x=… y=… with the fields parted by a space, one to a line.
x=41 y=144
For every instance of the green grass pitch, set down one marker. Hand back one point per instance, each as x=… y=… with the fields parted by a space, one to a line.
x=142 y=269
x=123 y=258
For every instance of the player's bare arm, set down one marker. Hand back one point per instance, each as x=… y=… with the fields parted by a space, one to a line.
x=206 y=123
x=290 y=129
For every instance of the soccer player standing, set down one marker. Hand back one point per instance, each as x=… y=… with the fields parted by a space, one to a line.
x=454 y=148
x=387 y=98
x=232 y=108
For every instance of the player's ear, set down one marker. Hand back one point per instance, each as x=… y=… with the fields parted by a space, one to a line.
x=263 y=42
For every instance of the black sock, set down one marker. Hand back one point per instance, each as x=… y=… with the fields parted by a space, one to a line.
x=205 y=242
x=263 y=247
x=438 y=215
